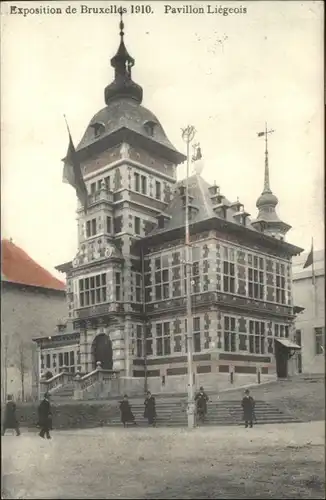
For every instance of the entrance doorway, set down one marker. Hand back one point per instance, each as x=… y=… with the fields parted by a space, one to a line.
x=102 y=351
x=281 y=356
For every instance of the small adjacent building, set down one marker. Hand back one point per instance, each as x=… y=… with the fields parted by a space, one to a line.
x=33 y=302
x=126 y=286
x=309 y=293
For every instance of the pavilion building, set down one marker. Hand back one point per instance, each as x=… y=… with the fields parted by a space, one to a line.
x=126 y=287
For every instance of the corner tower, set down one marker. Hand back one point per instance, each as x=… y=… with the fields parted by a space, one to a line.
x=129 y=168
x=267 y=220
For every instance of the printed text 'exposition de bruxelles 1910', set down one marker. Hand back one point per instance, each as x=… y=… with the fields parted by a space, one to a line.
x=131 y=9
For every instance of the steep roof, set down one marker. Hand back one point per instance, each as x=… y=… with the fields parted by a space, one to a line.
x=18 y=267
x=199 y=191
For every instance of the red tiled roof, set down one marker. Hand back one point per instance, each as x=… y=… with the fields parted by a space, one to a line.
x=18 y=267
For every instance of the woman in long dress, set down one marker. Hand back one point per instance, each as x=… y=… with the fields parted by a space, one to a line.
x=126 y=413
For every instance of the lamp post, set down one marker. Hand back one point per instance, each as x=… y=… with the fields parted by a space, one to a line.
x=188 y=135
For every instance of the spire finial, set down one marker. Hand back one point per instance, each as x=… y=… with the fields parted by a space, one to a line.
x=121 y=24
x=267 y=220
x=122 y=63
x=267 y=188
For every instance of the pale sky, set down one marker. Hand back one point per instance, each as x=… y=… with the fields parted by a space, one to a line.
x=226 y=75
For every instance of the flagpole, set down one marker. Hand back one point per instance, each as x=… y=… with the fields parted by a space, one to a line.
x=313 y=276
x=188 y=135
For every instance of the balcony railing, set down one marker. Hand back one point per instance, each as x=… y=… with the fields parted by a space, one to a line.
x=101 y=195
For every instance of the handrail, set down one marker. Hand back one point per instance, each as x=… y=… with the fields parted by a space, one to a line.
x=49 y=380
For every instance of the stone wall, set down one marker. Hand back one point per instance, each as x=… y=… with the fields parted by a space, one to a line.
x=134 y=386
x=69 y=416
x=27 y=313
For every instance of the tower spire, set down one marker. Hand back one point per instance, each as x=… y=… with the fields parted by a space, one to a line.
x=267 y=201
x=267 y=188
x=122 y=62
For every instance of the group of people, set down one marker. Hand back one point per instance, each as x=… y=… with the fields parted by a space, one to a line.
x=149 y=412
x=247 y=403
x=44 y=417
x=127 y=416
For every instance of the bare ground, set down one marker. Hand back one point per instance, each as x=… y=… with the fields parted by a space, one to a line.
x=270 y=461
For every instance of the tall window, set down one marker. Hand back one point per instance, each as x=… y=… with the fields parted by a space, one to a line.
x=143 y=184
x=158 y=193
x=93 y=187
x=149 y=340
x=257 y=337
x=205 y=278
x=228 y=277
x=256 y=277
x=177 y=336
x=230 y=334
x=108 y=183
x=196 y=333
x=176 y=274
x=280 y=283
x=195 y=277
x=139 y=341
x=163 y=339
x=117 y=224
x=281 y=330
x=195 y=274
x=72 y=361
x=108 y=224
x=91 y=228
x=319 y=340
x=138 y=288
x=137 y=182
x=148 y=280
x=118 y=287
x=48 y=361
x=92 y=290
x=137 y=225
x=162 y=279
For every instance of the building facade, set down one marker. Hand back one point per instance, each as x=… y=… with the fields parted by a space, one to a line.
x=33 y=302
x=126 y=287
x=309 y=293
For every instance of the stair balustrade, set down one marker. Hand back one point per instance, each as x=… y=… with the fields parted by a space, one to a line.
x=57 y=381
x=99 y=377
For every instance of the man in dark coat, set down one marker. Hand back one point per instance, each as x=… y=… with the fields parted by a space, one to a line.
x=201 y=400
x=10 y=420
x=126 y=413
x=45 y=417
x=248 y=406
x=150 y=410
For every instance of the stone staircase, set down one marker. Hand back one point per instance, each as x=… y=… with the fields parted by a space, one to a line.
x=63 y=394
x=221 y=413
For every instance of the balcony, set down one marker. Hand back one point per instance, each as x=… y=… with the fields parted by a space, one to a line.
x=222 y=299
x=99 y=310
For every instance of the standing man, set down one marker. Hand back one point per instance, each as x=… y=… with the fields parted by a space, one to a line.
x=45 y=417
x=248 y=406
x=150 y=409
x=201 y=399
x=10 y=420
